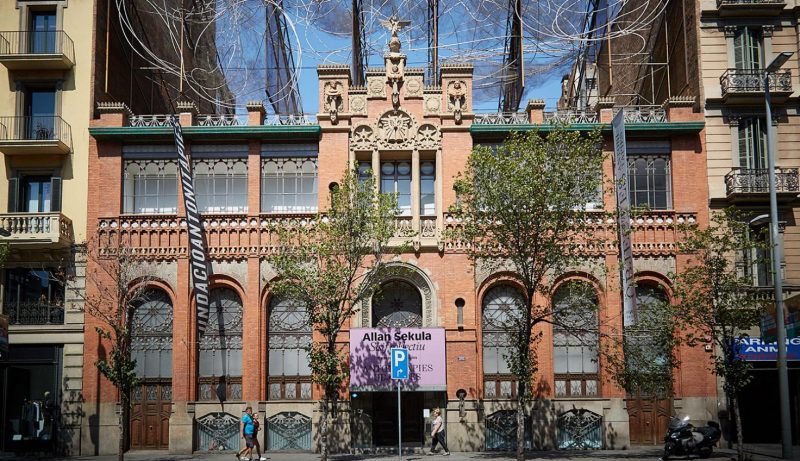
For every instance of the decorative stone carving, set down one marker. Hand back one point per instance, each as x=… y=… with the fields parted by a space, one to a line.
x=363 y=138
x=414 y=87
x=432 y=104
x=333 y=99
x=457 y=98
x=394 y=26
x=663 y=265
x=376 y=87
x=395 y=130
x=416 y=277
x=394 y=60
x=358 y=104
x=428 y=137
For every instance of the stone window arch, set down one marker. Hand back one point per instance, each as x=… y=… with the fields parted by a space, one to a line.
x=397 y=304
x=416 y=278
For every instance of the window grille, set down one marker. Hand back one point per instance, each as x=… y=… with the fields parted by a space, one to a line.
x=397 y=305
x=151 y=336
x=151 y=186
x=501 y=311
x=221 y=185
x=575 y=340
x=288 y=362
x=289 y=185
x=220 y=348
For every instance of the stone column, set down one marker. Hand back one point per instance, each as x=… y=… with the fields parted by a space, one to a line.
x=415 y=190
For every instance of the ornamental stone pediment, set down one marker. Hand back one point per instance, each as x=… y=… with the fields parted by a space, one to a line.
x=395 y=130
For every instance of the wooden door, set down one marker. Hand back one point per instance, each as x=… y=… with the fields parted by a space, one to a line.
x=150 y=410
x=649 y=418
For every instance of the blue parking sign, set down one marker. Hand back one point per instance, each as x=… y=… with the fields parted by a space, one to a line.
x=399 y=360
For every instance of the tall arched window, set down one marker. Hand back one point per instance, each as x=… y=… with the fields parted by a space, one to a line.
x=220 y=348
x=575 y=339
x=151 y=336
x=398 y=304
x=501 y=308
x=648 y=342
x=289 y=338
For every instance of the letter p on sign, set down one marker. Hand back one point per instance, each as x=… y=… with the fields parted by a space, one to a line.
x=399 y=362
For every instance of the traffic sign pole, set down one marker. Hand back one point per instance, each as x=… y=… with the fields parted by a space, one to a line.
x=398 y=359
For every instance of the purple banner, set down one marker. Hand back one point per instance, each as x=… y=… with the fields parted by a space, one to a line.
x=370 y=369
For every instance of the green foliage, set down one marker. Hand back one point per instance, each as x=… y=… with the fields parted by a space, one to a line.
x=5 y=250
x=521 y=208
x=334 y=264
x=717 y=299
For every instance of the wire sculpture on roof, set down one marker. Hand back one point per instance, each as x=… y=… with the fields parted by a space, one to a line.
x=228 y=52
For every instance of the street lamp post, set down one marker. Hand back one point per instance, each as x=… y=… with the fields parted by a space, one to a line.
x=783 y=373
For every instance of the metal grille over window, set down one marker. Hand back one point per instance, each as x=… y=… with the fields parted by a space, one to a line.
x=221 y=185
x=397 y=305
x=650 y=181
x=501 y=431
x=289 y=338
x=501 y=307
x=575 y=340
x=220 y=354
x=289 y=431
x=580 y=429
x=151 y=338
x=218 y=432
x=151 y=186
x=289 y=185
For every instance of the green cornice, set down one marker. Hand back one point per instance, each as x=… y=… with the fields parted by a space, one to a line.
x=209 y=133
x=636 y=129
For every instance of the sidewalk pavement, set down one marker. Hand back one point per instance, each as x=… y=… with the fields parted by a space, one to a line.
x=649 y=453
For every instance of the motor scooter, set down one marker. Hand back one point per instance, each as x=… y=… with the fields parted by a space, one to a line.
x=683 y=439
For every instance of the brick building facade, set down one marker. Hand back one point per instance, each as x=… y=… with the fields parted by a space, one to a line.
x=266 y=171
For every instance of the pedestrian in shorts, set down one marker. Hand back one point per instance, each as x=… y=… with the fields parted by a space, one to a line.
x=248 y=432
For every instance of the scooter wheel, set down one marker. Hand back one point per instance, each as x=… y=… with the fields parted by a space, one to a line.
x=669 y=450
x=706 y=453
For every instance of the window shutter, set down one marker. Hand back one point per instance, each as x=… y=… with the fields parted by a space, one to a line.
x=738 y=48
x=55 y=193
x=13 y=194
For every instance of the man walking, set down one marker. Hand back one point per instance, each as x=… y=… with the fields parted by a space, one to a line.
x=248 y=433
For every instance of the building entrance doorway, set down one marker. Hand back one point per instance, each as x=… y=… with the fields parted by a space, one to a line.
x=384 y=420
x=150 y=410
x=649 y=417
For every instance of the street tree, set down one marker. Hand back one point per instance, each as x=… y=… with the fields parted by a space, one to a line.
x=716 y=299
x=115 y=289
x=330 y=266
x=521 y=207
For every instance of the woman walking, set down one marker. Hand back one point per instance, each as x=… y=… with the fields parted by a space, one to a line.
x=437 y=433
x=256 y=444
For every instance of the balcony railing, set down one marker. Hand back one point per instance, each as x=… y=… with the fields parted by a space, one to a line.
x=645 y=114
x=39 y=43
x=37 y=228
x=35 y=313
x=571 y=116
x=743 y=81
x=756 y=181
x=158 y=120
x=502 y=118
x=38 y=129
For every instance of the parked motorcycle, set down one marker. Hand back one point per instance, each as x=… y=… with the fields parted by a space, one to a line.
x=683 y=439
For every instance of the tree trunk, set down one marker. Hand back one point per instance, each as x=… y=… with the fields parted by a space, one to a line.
x=323 y=430
x=520 y=421
x=122 y=433
x=739 y=437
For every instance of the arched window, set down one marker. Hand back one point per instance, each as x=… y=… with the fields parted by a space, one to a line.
x=501 y=308
x=648 y=342
x=575 y=340
x=151 y=336
x=397 y=305
x=289 y=338
x=220 y=348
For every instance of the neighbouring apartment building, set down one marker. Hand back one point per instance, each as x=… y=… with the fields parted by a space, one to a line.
x=737 y=40
x=57 y=59
x=255 y=173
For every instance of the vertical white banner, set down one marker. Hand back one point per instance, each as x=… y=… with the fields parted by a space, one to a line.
x=624 y=220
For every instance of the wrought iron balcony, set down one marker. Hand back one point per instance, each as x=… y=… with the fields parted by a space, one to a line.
x=45 y=134
x=37 y=229
x=37 y=50
x=747 y=85
x=35 y=313
x=571 y=116
x=502 y=118
x=728 y=8
x=743 y=182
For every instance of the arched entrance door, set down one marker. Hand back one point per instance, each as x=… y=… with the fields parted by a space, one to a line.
x=398 y=304
x=151 y=344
